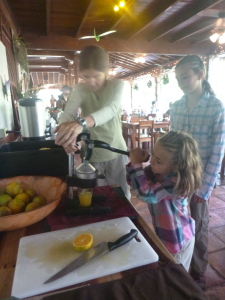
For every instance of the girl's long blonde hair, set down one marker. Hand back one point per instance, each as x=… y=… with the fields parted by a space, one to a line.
x=185 y=159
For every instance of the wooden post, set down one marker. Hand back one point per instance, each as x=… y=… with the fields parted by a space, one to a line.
x=75 y=68
x=69 y=73
x=66 y=77
x=157 y=80
x=131 y=95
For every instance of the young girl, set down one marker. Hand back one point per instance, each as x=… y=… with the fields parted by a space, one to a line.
x=166 y=184
x=200 y=114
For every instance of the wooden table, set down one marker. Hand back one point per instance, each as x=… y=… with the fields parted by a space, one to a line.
x=126 y=127
x=186 y=288
x=9 y=242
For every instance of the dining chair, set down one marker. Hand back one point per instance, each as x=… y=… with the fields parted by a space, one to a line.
x=144 y=132
x=130 y=131
x=159 y=128
x=134 y=120
x=123 y=117
x=135 y=115
x=153 y=116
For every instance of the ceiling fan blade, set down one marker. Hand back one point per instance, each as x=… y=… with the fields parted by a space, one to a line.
x=87 y=37
x=106 y=33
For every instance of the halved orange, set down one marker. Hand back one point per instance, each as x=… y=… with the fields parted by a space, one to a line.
x=83 y=241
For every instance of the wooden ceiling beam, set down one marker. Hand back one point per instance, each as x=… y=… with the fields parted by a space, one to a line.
x=129 y=57
x=198 y=28
x=138 y=45
x=89 y=7
x=128 y=65
x=121 y=62
x=181 y=17
x=47 y=17
x=67 y=54
x=125 y=66
x=48 y=70
x=145 y=19
x=62 y=64
x=201 y=38
x=6 y=11
x=123 y=59
x=136 y=74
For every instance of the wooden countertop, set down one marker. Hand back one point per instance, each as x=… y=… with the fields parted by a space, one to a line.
x=9 y=242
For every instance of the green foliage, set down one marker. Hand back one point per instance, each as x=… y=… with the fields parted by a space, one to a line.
x=20 y=52
x=33 y=92
x=165 y=79
x=136 y=87
x=149 y=84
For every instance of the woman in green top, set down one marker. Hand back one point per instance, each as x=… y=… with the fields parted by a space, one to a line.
x=100 y=101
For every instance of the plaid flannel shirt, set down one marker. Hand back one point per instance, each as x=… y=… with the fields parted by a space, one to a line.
x=170 y=216
x=206 y=124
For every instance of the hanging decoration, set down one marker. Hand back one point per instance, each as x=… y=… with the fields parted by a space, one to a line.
x=20 y=52
x=136 y=87
x=165 y=79
x=156 y=72
x=97 y=37
x=149 y=84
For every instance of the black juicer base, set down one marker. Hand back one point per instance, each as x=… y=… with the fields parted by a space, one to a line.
x=74 y=209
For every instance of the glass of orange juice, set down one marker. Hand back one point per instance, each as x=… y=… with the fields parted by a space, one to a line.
x=85 y=196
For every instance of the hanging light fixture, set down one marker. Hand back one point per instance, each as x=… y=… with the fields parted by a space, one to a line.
x=139 y=59
x=121 y=4
x=218 y=34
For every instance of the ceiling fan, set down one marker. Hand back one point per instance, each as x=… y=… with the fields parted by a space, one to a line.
x=97 y=37
x=218 y=33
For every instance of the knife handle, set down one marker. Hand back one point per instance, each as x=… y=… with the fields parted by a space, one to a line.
x=122 y=240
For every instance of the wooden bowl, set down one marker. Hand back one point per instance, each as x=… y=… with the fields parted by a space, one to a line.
x=51 y=187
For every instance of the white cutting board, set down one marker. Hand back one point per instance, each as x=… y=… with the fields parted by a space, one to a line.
x=42 y=255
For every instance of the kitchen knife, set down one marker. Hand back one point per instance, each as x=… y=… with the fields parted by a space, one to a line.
x=93 y=253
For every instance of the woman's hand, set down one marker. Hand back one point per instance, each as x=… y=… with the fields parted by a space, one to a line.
x=138 y=156
x=197 y=199
x=67 y=133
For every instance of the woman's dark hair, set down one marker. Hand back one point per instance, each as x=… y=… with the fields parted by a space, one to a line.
x=65 y=88
x=93 y=57
x=185 y=159
x=197 y=66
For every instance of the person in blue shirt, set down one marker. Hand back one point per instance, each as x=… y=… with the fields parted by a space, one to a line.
x=200 y=114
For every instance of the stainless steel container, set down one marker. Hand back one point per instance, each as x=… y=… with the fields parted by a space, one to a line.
x=32 y=117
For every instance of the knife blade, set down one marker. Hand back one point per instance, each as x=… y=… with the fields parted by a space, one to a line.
x=93 y=253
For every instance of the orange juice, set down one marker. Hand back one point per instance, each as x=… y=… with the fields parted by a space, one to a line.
x=85 y=197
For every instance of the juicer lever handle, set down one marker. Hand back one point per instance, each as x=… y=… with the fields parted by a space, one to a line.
x=100 y=144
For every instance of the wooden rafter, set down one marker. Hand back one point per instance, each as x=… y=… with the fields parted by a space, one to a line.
x=181 y=17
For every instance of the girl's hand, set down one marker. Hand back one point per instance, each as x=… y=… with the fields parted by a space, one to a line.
x=138 y=156
x=197 y=199
x=67 y=134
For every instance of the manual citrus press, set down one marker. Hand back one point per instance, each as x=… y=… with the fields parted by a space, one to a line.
x=85 y=175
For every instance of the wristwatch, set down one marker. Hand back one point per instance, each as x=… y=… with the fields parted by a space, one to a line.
x=82 y=122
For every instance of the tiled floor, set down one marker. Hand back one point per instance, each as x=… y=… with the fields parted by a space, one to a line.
x=215 y=274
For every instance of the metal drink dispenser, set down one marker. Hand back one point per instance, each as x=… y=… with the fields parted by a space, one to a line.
x=32 y=117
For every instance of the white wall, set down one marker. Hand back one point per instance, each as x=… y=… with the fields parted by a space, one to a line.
x=6 y=112
x=216 y=75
